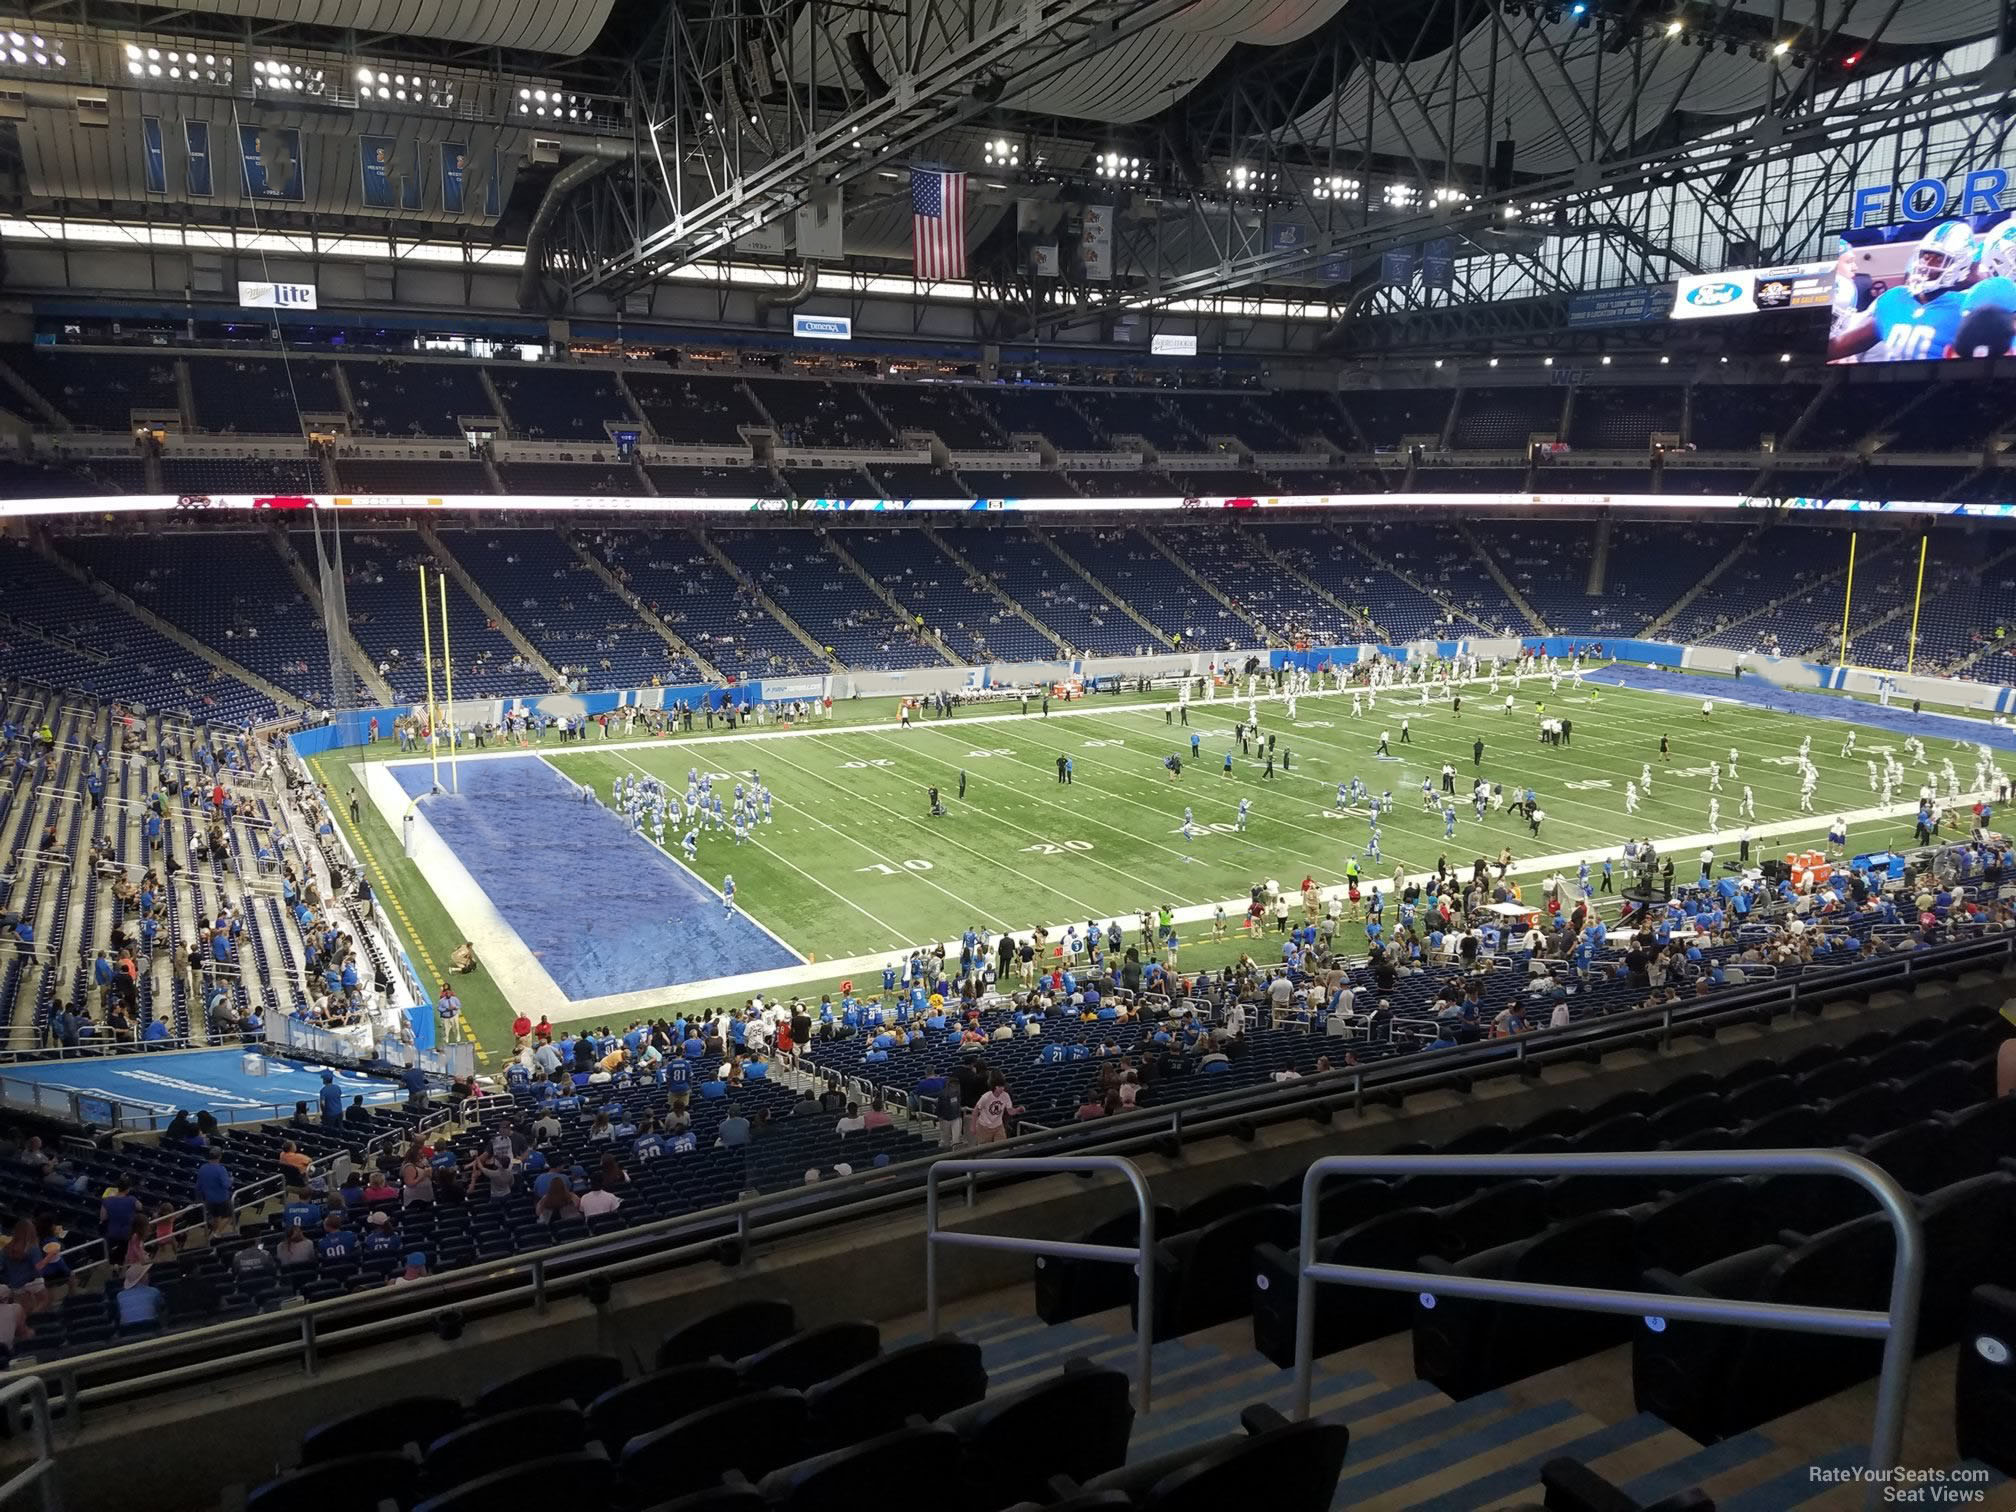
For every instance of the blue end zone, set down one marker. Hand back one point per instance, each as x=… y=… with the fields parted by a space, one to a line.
x=166 y=1080
x=1757 y=693
x=604 y=911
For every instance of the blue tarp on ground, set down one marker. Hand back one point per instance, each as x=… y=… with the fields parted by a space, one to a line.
x=215 y=1079
x=626 y=919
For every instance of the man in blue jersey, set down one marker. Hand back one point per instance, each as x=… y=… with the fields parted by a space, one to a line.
x=1920 y=320
x=1988 y=313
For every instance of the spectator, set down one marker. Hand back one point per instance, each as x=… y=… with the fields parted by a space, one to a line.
x=331 y=1097
x=992 y=1112
x=599 y=1200
x=557 y=1203
x=337 y=1242
x=13 y=1323
x=296 y=1248
x=139 y=1303
x=851 y=1121
x=414 y=1269
x=24 y=1265
x=214 y=1189
x=295 y=1164
x=733 y=1130
x=118 y=1211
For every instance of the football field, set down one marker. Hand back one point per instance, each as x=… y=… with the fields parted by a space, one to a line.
x=853 y=863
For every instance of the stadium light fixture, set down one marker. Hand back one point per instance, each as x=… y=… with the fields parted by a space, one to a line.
x=1779 y=49
x=1784 y=356
x=1335 y=187
x=1606 y=359
x=1675 y=28
x=1546 y=362
x=1664 y=360
x=1002 y=153
x=1493 y=362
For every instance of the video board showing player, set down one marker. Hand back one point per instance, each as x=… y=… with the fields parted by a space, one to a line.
x=1925 y=292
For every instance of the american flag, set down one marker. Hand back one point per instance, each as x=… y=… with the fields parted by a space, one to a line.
x=938 y=222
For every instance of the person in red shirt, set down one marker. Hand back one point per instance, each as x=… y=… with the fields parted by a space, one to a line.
x=521 y=1026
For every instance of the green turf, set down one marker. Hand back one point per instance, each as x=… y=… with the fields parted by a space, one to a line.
x=837 y=874
x=853 y=864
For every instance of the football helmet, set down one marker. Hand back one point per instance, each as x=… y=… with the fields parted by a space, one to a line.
x=1943 y=260
x=1997 y=256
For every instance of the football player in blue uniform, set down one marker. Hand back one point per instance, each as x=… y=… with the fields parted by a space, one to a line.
x=1918 y=321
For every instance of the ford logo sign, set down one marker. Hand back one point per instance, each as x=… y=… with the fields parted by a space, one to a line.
x=1712 y=296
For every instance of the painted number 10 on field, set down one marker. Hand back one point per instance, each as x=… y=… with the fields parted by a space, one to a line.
x=884 y=869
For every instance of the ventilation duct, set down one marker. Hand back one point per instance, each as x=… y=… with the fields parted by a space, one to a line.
x=789 y=298
x=596 y=159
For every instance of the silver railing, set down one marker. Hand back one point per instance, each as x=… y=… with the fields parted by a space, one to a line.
x=29 y=1397
x=1140 y=1254
x=1898 y=1327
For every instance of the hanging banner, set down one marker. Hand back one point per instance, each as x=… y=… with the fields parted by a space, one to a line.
x=493 y=194
x=410 y=172
x=271 y=156
x=1336 y=268
x=374 y=157
x=1438 y=264
x=1397 y=265
x=1037 y=240
x=454 y=162
x=1165 y=345
x=196 y=145
x=1096 y=243
x=1286 y=237
x=150 y=149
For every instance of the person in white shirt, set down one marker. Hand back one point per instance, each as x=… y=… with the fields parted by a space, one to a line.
x=599 y=1200
x=851 y=1121
x=1559 y=1018
x=991 y=1113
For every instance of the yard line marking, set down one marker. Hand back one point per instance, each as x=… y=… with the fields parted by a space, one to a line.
x=909 y=823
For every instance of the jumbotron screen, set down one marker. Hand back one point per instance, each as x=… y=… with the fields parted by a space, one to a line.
x=1925 y=292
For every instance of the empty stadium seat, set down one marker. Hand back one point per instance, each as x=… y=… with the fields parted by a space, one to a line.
x=1466 y=1347
x=860 y=1474
x=1201 y=1275
x=731 y=1333
x=580 y=1478
x=1713 y=1380
x=1984 y=1391
x=1284 y=1466
x=650 y=1401
x=751 y=1434
x=503 y=1438
x=1075 y=1424
x=928 y=1379
x=389 y=1426
x=349 y=1483
x=579 y=1379
x=815 y=1355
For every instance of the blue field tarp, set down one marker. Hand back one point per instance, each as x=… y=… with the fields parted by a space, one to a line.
x=629 y=920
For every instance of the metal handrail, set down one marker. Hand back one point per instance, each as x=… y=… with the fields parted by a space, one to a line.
x=1141 y=1253
x=40 y=1472
x=1898 y=1327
